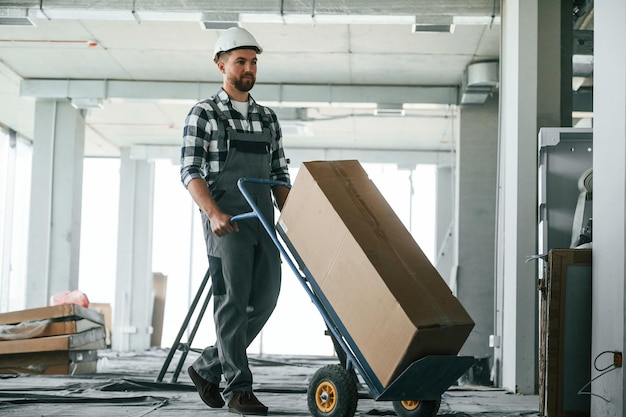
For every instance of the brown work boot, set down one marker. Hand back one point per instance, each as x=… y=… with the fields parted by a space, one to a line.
x=209 y=392
x=246 y=403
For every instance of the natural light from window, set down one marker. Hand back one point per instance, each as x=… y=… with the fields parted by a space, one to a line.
x=179 y=252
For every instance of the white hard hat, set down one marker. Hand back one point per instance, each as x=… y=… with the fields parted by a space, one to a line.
x=235 y=38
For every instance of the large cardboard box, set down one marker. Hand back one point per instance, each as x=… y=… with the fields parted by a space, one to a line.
x=159 y=284
x=107 y=313
x=391 y=300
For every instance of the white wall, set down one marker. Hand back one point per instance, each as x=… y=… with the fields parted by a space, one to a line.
x=609 y=204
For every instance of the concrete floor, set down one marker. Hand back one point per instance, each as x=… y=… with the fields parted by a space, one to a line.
x=125 y=386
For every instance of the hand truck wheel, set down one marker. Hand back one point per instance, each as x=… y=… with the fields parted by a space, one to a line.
x=332 y=392
x=416 y=408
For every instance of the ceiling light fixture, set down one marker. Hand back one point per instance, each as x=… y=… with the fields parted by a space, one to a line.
x=433 y=24
x=426 y=28
x=86 y=103
x=217 y=25
x=15 y=17
x=219 y=21
x=389 y=109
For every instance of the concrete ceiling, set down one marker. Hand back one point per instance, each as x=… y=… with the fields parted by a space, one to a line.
x=326 y=65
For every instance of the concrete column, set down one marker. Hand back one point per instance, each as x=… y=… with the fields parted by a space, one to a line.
x=134 y=287
x=536 y=68
x=445 y=256
x=55 y=202
x=6 y=217
x=476 y=214
x=609 y=205
x=516 y=297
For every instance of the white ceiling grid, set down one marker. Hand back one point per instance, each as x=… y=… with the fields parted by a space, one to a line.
x=139 y=40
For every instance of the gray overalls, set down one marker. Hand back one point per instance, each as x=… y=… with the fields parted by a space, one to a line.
x=245 y=265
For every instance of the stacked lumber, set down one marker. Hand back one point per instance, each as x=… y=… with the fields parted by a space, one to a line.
x=56 y=340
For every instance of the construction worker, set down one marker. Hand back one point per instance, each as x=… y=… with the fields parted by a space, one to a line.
x=226 y=137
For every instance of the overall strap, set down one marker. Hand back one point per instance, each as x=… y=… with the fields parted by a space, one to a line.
x=268 y=126
x=222 y=124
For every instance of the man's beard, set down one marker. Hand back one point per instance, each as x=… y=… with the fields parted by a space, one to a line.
x=244 y=84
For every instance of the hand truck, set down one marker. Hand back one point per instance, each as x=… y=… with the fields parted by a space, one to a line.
x=333 y=389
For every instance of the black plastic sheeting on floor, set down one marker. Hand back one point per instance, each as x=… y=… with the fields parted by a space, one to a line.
x=126 y=385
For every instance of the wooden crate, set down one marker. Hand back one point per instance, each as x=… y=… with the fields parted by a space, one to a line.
x=50 y=363
x=64 y=311
x=87 y=340
x=565 y=335
x=60 y=339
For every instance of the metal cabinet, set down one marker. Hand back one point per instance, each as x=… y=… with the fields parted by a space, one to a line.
x=565 y=155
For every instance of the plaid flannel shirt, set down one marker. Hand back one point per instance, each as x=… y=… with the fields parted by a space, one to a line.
x=203 y=155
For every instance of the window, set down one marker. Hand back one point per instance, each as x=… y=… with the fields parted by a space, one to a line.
x=15 y=175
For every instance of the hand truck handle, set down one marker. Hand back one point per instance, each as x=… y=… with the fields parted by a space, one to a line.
x=255 y=210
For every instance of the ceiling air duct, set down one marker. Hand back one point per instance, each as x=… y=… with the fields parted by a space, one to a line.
x=480 y=80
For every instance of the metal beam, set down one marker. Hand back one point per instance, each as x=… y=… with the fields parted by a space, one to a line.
x=296 y=95
x=403 y=158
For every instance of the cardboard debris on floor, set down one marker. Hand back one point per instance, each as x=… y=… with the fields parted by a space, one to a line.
x=61 y=340
x=385 y=291
x=107 y=312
